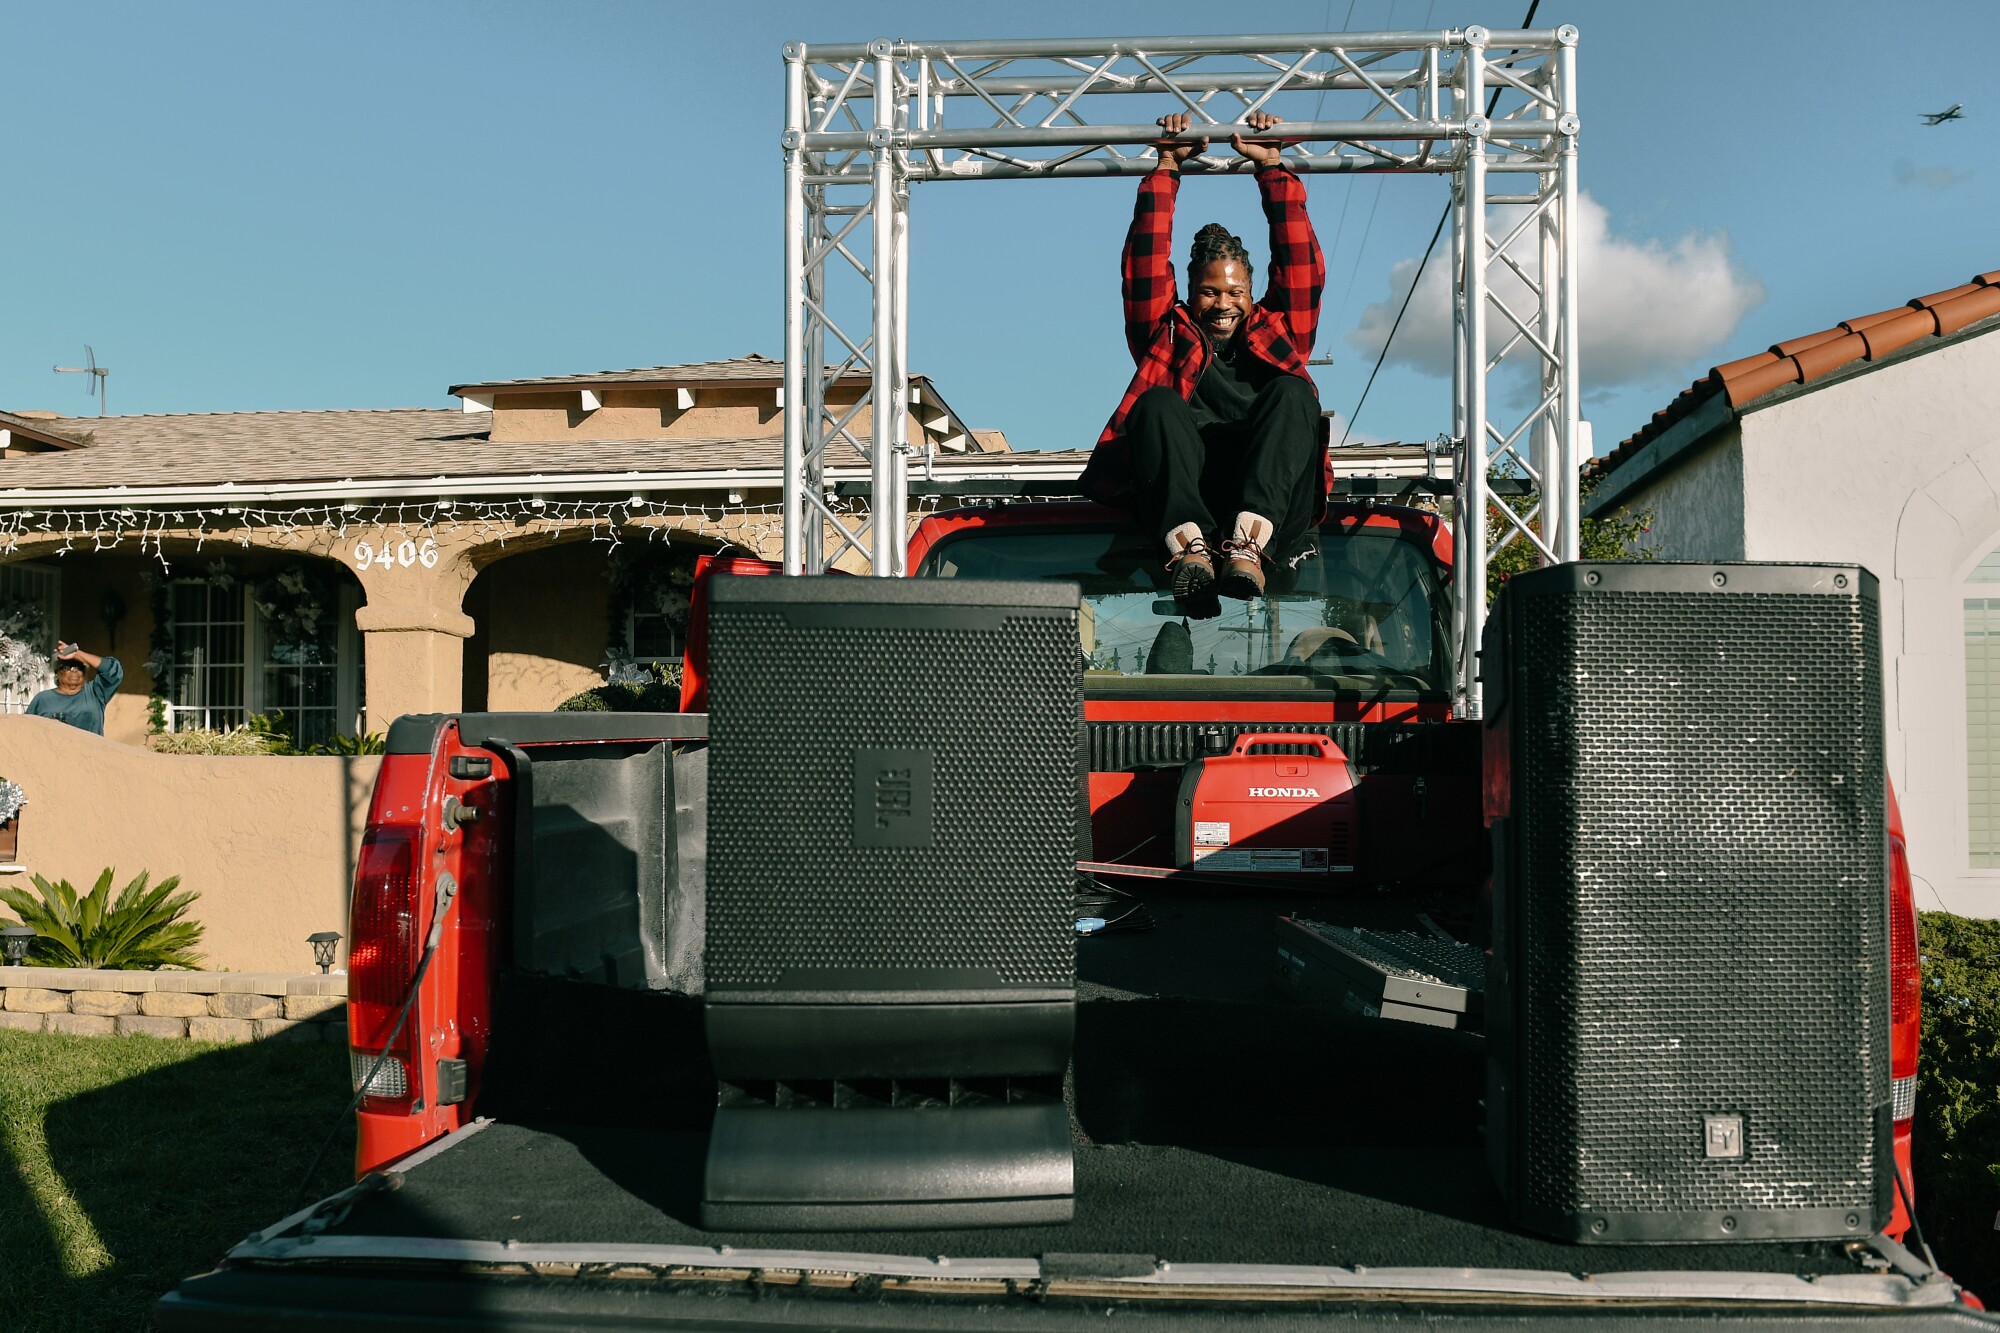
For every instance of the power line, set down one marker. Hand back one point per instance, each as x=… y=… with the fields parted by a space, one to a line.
x=1347 y=196
x=1340 y=311
x=1435 y=233
x=1492 y=101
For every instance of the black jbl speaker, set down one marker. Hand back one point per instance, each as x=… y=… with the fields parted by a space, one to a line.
x=1688 y=1006
x=896 y=796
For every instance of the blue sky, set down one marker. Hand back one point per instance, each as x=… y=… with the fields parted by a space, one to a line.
x=254 y=206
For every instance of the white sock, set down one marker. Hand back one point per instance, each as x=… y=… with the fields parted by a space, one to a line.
x=1254 y=527
x=1182 y=537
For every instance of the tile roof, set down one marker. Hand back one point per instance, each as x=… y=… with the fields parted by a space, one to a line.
x=751 y=367
x=1733 y=386
x=415 y=444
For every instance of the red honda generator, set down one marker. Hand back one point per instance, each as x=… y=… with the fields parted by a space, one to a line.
x=1277 y=805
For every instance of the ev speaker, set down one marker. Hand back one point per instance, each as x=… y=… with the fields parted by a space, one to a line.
x=896 y=798
x=1688 y=1007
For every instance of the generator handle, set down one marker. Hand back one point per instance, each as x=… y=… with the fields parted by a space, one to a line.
x=1327 y=749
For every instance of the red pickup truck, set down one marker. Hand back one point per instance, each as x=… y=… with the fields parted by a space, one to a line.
x=525 y=1009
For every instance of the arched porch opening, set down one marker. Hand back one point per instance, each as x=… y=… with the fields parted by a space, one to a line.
x=554 y=621
x=207 y=635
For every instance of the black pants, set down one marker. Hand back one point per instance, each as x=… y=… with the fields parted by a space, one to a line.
x=1268 y=463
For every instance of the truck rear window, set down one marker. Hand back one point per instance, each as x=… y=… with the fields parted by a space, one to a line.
x=1365 y=610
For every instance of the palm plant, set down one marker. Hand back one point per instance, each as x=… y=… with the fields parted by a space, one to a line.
x=140 y=929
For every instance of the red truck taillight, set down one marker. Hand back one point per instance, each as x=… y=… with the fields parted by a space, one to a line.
x=1906 y=992
x=382 y=960
x=1905 y=984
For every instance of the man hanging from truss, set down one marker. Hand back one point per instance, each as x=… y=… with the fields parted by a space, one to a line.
x=1222 y=415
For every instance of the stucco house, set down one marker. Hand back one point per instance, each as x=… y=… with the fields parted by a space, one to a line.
x=342 y=568
x=1874 y=442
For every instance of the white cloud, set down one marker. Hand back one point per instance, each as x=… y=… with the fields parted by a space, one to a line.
x=1650 y=309
x=1939 y=178
x=1340 y=429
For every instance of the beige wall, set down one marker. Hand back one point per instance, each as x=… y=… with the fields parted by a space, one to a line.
x=732 y=412
x=268 y=842
x=542 y=618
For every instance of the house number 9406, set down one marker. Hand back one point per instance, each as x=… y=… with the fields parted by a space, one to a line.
x=394 y=555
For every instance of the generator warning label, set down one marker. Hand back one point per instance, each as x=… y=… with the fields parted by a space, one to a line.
x=1268 y=860
x=1211 y=833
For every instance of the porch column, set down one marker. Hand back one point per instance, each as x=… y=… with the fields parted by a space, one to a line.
x=413 y=634
x=415 y=658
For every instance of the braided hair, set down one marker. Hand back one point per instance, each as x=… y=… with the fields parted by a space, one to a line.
x=1213 y=244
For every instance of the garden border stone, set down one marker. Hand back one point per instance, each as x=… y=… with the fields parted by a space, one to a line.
x=80 y=1025
x=203 y=1006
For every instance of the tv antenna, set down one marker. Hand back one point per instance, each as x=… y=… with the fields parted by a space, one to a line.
x=99 y=375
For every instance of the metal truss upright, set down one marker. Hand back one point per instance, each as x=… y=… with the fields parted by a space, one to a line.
x=865 y=122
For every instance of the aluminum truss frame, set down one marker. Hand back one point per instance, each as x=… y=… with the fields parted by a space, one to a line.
x=864 y=122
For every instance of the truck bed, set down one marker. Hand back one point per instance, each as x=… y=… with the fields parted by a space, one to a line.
x=1215 y=1121
x=1226 y=1137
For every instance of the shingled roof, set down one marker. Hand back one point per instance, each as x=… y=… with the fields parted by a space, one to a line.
x=1720 y=396
x=43 y=430
x=399 y=444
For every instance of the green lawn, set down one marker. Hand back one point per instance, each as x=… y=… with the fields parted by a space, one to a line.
x=137 y=1162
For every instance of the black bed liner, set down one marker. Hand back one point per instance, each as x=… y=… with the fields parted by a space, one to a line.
x=582 y=1185
x=1241 y=1161
x=1215 y=1121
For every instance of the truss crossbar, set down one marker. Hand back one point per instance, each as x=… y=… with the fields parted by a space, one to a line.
x=866 y=121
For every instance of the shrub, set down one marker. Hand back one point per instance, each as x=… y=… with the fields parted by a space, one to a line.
x=1955 y=1144
x=266 y=733
x=235 y=741
x=661 y=693
x=370 y=742
x=1614 y=538
x=141 y=929
x=273 y=730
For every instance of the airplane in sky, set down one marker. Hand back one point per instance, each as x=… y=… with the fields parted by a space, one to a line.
x=1956 y=111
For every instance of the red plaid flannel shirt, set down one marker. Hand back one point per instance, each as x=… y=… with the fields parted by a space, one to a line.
x=1165 y=342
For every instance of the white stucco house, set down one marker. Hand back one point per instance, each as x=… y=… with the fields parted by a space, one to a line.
x=1875 y=442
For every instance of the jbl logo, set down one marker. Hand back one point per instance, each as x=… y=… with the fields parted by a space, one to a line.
x=1722 y=1135
x=892 y=798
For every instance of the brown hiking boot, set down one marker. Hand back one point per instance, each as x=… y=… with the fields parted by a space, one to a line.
x=1242 y=569
x=1194 y=580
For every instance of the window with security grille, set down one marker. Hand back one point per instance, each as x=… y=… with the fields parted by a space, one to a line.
x=651 y=638
x=307 y=695
x=211 y=637
x=239 y=651
x=1982 y=719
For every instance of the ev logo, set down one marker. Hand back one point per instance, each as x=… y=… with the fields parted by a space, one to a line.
x=1722 y=1135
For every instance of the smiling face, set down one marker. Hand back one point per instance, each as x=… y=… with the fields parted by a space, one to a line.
x=1219 y=297
x=69 y=677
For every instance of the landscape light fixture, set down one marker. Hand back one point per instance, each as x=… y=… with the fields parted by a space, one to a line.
x=17 y=939
x=324 y=942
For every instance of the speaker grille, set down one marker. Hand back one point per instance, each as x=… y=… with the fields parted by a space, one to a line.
x=999 y=709
x=1699 y=802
